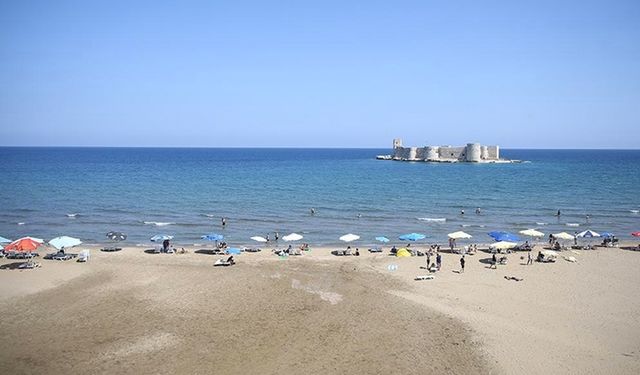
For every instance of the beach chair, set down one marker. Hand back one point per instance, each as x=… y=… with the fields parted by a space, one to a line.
x=84 y=256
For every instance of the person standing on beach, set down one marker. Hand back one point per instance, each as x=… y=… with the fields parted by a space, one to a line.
x=438 y=261
x=428 y=259
x=529 y=258
x=277 y=236
x=267 y=237
x=462 y=264
x=575 y=238
x=494 y=261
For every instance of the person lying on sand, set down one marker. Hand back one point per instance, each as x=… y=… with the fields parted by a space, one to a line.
x=513 y=278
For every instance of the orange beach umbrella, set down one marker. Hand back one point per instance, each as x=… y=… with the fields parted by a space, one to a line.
x=24 y=244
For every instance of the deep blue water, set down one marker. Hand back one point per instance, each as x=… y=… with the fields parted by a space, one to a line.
x=267 y=190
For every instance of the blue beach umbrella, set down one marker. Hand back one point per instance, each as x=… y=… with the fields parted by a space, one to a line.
x=503 y=236
x=412 y=237
x=4 y=240
x=382 y=239
x=161 y=237
x=607 y=234
x=234 y=251
x=213 y=237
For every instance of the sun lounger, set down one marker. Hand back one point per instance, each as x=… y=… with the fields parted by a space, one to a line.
x=29 y=265
x=295 y=252
x=375 y=249
x=84 y=256
x=111 y=249
x=424 y=277
x=224 y=262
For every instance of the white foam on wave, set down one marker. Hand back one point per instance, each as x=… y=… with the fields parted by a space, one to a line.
x=573 y=224
x=541 y=223
x=634 y=211
x=433 y=219
x=21 y=223
x=157 y=223
x=72 y=215
x=209 y=215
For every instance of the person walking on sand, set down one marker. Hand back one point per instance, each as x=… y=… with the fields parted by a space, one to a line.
x=494 y=261
x=462 y=264
x=529 y=258
x=438 y=261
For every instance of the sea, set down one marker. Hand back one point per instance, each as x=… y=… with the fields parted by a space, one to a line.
x=185 y=192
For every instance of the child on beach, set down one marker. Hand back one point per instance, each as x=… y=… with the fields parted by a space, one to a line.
x=462 y=264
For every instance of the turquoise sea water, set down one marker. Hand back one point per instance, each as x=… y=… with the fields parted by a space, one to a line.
x=185 y=192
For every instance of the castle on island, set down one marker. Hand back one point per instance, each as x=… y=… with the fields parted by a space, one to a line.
x=471 y=153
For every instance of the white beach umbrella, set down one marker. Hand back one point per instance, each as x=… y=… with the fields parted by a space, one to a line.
x=349 y=237
x=563 y=236
x=532 y=233
x=64 y=242
x=503 y=245
x=459 y=235
x=259 y=239
x=292 y=237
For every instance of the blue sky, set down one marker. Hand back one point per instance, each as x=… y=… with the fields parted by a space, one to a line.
x=320 y=73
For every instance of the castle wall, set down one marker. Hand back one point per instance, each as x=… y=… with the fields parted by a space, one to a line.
x=472 y=152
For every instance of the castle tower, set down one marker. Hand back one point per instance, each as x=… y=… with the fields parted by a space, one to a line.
x=397 y=143
x=473 y=152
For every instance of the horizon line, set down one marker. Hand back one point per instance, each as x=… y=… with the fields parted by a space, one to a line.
x=305 y=148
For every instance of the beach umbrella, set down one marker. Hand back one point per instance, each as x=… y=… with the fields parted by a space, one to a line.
x=349 y=237
x=292 y=237
x=211 y=237
x=234 y=251
x=412 y=237
x=563 y=236
x=259 y=239
x=116 y=236
x=24 y=244
x=503 y=236
x=64 y=242
x=459 y=235
x=503 y=245
x=161 y=237
x=607 y=234
x=588 y=234
x=382 y=239
x=4 y=240
x=531 y=233
x=403 y=253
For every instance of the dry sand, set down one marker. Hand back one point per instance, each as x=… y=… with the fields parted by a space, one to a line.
x=132 y=312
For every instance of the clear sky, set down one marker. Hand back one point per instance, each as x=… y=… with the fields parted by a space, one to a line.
x=556 y=74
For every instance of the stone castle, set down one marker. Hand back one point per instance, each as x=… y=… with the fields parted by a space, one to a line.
x=472 y=153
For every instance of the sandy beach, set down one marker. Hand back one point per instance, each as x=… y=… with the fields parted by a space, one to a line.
x=133 y=312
